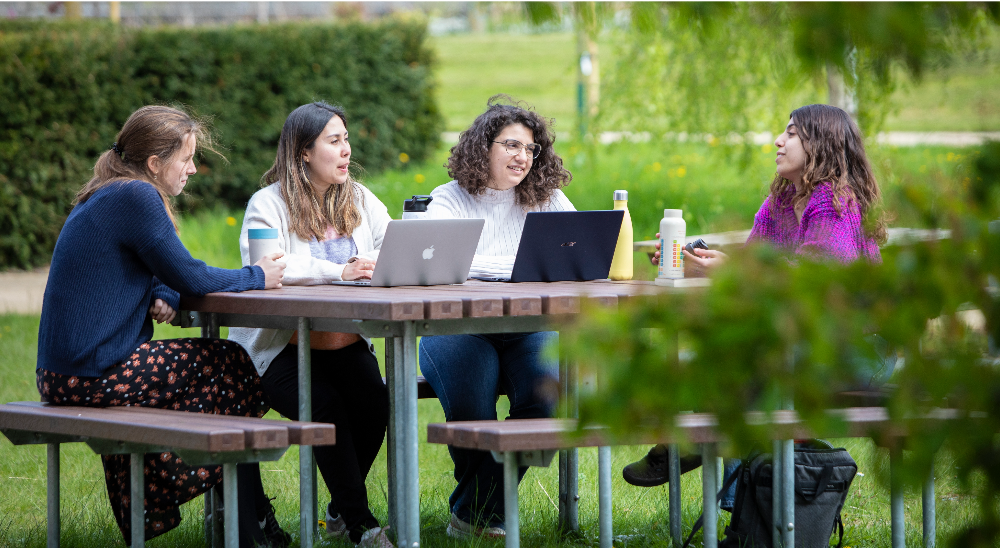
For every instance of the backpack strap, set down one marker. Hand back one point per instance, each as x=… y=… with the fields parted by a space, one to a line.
x=824 y=480
x=840 y=525
x=701 y=519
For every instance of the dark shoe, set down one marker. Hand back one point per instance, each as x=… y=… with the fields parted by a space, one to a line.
x=653 y=469
x=276 y=536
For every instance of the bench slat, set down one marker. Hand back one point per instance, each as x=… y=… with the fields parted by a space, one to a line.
x=554 y=433
x=70 y=421
x=299 y=433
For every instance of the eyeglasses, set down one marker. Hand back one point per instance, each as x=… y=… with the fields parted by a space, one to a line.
x=514 y=147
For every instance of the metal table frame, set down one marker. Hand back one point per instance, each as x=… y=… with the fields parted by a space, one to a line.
x=401 y=377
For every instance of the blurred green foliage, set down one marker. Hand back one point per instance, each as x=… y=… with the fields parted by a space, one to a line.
x=66 y=89
x=772 y=325
x=717 y=68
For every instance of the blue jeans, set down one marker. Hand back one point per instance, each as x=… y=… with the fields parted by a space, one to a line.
x=467 y=371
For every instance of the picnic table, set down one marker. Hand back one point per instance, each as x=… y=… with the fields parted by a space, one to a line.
x=400 y=315
x=726 y=239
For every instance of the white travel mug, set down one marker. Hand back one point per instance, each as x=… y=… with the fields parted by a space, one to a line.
x=262 y=242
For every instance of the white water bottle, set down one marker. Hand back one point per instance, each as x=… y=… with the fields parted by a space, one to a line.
x=672 y=233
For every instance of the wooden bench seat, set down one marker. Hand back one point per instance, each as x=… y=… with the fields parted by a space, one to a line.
x=534 y=442
x=197 y=438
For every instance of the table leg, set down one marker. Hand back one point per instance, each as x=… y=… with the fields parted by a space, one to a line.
x=307 y=497
x=569 y=459
x=777 y=510
x=897 y=518
x=674 y=493
x=406 y=369
x=232 y=504
x=52 y=488
x=315 y=492
x=218 y=538
x=137 y=500
x=710 y=510
x=512 y=523
x=788 y=492
x=209 y=518
x=604 y=496
x=929 y=511
x=390 y=440
x=213 y=521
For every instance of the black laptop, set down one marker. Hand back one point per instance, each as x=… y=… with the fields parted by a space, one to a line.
x=565 y=246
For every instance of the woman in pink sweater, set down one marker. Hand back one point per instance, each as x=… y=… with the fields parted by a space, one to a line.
x=822 y=192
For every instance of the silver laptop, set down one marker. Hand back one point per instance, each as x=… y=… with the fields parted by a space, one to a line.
x=425 y=252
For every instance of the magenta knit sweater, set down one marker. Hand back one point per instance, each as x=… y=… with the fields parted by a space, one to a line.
x=822 y=234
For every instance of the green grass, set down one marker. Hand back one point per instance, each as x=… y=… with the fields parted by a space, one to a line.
x=640 y=514
x=473 y=67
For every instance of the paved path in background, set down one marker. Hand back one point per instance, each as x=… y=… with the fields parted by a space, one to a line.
x=21 y=291
x=900 y=139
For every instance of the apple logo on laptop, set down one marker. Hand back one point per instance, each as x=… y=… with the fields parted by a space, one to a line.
x=429 y=253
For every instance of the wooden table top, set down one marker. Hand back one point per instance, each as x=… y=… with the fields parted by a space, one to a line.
x=404 y=303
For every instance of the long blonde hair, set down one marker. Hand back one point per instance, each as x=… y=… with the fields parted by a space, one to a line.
x=308 y=215
x=152 y=130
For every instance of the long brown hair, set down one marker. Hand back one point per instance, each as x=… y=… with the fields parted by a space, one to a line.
x=835 y=153
x=152 y=130
x=309 y=216
x=469 y=163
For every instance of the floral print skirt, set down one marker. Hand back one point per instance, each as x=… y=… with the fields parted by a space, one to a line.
x=191 y=374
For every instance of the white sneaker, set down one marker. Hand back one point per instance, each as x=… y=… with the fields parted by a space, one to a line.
x=376 y=538
x=459 y=529
x=335 y=526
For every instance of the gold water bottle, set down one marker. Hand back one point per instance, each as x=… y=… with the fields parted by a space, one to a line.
x=621 y=265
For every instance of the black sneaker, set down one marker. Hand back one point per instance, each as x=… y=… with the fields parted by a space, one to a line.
x=653 y=470
x=276 y=536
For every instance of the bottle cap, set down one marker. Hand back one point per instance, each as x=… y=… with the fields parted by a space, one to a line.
x=621 y=195
x=417 y=204
x=673 y=213
x=269 y=233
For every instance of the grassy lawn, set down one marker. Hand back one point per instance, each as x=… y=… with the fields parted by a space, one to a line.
x=640 y=514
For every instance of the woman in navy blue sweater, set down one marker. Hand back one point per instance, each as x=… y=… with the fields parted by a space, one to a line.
x=117 y=266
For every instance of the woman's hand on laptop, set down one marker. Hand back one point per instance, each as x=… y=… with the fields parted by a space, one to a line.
x=161 y=311
x=358 y=268
x=274 y=270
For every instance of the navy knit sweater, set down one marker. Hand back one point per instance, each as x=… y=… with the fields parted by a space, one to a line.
x=116 y=254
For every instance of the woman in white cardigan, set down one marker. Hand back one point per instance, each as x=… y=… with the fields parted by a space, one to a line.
x=504 y=167
x=330 y=228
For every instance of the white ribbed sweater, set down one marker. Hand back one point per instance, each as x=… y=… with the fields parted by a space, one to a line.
x=504 y=222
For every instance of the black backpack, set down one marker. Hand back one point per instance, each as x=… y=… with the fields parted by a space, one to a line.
x=823 y=477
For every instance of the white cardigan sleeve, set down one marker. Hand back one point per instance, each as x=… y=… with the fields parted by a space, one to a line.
x=267 y=209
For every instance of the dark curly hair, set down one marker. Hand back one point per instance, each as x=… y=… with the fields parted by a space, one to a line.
x=469 y=161
x=835 y=153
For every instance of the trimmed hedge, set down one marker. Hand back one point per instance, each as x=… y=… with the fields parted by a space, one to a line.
x=66 y=89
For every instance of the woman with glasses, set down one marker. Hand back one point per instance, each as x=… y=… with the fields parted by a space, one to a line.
x=504 y=166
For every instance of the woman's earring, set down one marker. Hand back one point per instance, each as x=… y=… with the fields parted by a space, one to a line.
x=155 y=176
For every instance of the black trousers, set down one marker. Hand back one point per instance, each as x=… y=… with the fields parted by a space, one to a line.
x=347 y=391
